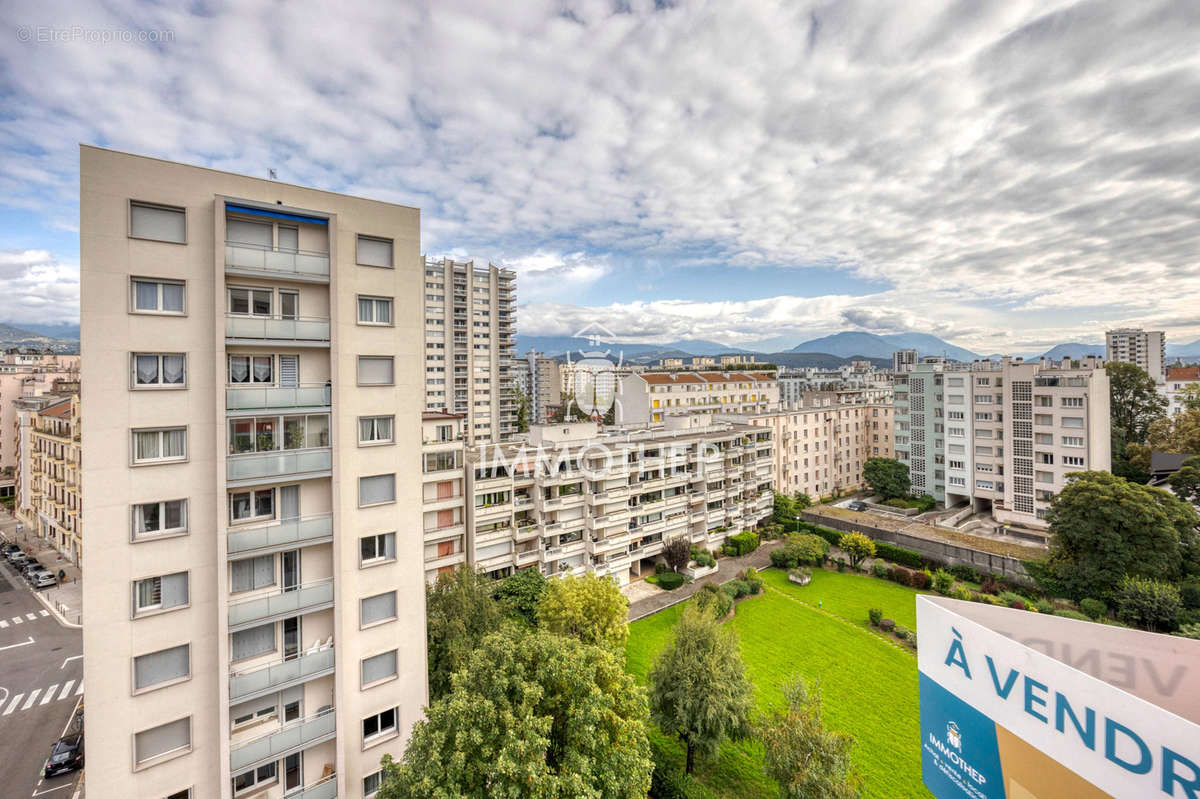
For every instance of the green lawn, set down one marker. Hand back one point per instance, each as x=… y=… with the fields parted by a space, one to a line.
x=852 y=595
x=870 y=687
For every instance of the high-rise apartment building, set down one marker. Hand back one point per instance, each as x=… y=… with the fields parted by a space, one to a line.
x=903 y=360
x=1146 y=348
x=443 y=492
x=545 y=387
x=470 y=323
x=252 y=356
x=920 y=427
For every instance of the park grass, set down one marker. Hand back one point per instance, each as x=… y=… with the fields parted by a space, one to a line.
x=851 y=595
x=869 y=687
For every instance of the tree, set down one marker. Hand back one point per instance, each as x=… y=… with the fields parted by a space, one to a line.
x=589 y=608
x=698 y=685
x=520 y=594
x=1134 y=401
x=535 y=715
x=1179 y=434
x=801 y=501
x=523 y=410
x=1133 y=470
x=677 y=552
x=1103 y=528
x=1152 y=604
x=806 y=759
x=1186 y=482
x=1191 y=397
x=887 y=477
x=785 y=510
x=857 y=546
x=460 y=610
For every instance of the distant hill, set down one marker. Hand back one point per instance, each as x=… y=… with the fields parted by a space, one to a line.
x=56 y=330
x=1073 y=350
x=821 y=360
x=560 y=345
x=1184 y=351
x=11 y=336
x=871 y=345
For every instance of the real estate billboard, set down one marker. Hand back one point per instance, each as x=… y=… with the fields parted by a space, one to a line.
x=1020 y=705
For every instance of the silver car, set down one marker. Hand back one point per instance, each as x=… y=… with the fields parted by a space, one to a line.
x=44 y=579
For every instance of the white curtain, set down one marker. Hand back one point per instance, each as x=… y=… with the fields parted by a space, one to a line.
x=147 y=369
x=145 y=296
x=145 y=445
x=239 y=369
x=383 y=311
x=172 y=297
x=172 y=367
x=174 y=443
x=365 y=308
x=262 y=370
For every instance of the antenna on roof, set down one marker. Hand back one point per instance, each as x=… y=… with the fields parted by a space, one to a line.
x=272 y=173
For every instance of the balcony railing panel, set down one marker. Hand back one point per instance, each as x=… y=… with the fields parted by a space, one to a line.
x=277 y=328
x=279 y=603
x=300 y=263
x=281 y=533
x=289 y=738
x=309 y=395
x=278 y=464
x=280 y=673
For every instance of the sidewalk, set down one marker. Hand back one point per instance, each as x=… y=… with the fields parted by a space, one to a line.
x=66 y=600
x=728 y=570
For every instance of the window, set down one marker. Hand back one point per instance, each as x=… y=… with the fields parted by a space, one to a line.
x=375 y=370
x=1072 y=421
x=251 y=369
x=252 y=574
x=1072 y=441
x=1043 y=438
x=378 y=667
x=160 y=593
x=371 y=784
x=261 y=433
x=376 y=490
x=186 y=793
x=250 y=302
x=253 y=642
x=1043 y=419
x=375 y=429
x=157 y=296
x=380 y=725
x=377 y=548
x=380 y=607
x=172 y=738
x=1072 y=460
x=164 y=666
x=157 y=369
x=160 y=446
x=157 y=222
x=984 y=484
x=152 y=519
x=1072 y=402
x=373 y=251
x=256 y=777
x=251 y=505
x=374 y=310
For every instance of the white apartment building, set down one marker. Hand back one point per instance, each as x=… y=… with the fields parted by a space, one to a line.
x=578 y=498
x=28 y=374
x=255 y=602
x=470 y=322
x=46 y=499
x=443 y=492
x=1146 y=348
x=545 y=387
x=903 y=360
x=651 y=397
x=1175 y=386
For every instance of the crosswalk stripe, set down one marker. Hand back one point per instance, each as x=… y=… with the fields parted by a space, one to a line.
x=43 y=612
x=66 y=687
x=32 y=698
x=3 y=624
x=13 y=704
x=49 y=697
x=17 y=620
x=31 y=617
x=79 y=690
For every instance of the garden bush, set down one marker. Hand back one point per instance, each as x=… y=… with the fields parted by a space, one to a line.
x=702 y=557
x=1149 y=603
x=901 y=632
x=943 y=581
x=921 y=579
x=879 y=569
x=1012 y=599
x=743 y=543
x=926 y=503
x=752 y=579
x=991 y=585
x=736 y=588
x=899 y=574
x=1067 y=613
x=968 y=574
x=713 y=599
x=1189 y=592
x=841 y=564
x=896 y=503
x=1188 y=631
x=886 y=625
x=1045 y=606
x=875 y=615
x=660 y=568
x=669 y=581
x=960 y=592
x=1093 y=608
x=905 y=557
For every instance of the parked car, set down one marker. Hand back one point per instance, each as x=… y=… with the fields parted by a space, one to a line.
x=18 y=559
x=856 y=505
x=7 y=548
x=31 y=567
x=44 y=579
x=65 y=755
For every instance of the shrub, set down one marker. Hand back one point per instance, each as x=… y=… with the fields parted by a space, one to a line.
x=736 y=588
x=1189 y=631
x=781 y=558
x=857 y=547
x=702 y=557
x=713 y=599
x=1189 y=592
x=991 y=585
x=875 y=614
x=886 y=625
x=899 y=574
x=968 y=574
x=841 y=564
x=943 y=581
x=1013 y=600
x=1067 y=613
x=669 y=581
x=905 y=557
x=1093 y=608
x=660 y=567
x=901 y=632
x=896 y=503
x=750 y=575
x=926 y=503
x=960 y=592
x=1152 y=604
x=1018 y=604
x=921 y=580
x=1045 y=606
x=879 y=569
x=743 y=543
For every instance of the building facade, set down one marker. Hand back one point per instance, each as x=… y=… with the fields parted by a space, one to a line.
x=903 y=360
x=443 y=492
x=253 y=358
x=1146 y=348
x=650 y=397
x=27 y=374
x=47 y=497
x=470 y=323
x=545 y=388
x=1176 y=384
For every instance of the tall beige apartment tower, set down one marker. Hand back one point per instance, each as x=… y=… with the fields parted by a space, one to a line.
x=1145 y=348
x=470 y=327
x=254 y=592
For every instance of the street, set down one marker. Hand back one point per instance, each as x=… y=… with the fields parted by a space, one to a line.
x=41 y=682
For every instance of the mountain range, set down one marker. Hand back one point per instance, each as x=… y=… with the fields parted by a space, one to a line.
x=32 y=337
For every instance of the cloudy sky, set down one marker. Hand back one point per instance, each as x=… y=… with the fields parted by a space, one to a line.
x=1008 y=175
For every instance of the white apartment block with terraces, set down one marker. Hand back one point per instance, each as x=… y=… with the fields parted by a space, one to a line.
x=652 y=397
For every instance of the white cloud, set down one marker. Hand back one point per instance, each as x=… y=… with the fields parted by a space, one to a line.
x=37 y=288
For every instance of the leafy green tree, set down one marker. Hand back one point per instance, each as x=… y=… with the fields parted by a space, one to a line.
x=887 y=477
x=808 y=760
x=1179 y=434
x=801 y=501
x=677 y=552
x=1134 y=401
x=531 y=715
x=1134 y=469
x=857 y=547
x=589 y=608
x=1186 y=482
x=785 y=510
x=699 y=690
x=1103 y=528
x=523 y=410
x=521 y=592
x=1191 y=397
x=1152 y=604
x=460 y=609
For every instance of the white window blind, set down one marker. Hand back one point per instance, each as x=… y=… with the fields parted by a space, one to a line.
x=252 y=573
x=157 y=222
x=379 y=607
x=255 y=641
x=243 y=231
x=483 y=553
x=158 y=741
x=162 y=666
x=374 y=252
x=375 y=370
x=377 y=488
x=174 y=590
x=379 y=667
x=289 y=239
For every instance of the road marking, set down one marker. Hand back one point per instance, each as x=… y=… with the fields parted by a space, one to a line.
x=31 y=616
x=3 y=624
x=68 y=660
x=17 y=620
x=52 y=790
x=14 y=646
x=66 y=688
x=32 y=698
x=49 y=697
x=79 y=690
x=43 y=612
x=13 y=705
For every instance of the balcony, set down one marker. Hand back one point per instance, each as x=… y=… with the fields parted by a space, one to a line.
x=324 y=788
x=289 y=738
x=280 y=674
x=294 y=464
x=299 y=331
x=256 y=261
x=305 y=531
x=306 y=598
x=307 y=396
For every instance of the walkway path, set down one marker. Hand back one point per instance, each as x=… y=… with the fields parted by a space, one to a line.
x=729 y=568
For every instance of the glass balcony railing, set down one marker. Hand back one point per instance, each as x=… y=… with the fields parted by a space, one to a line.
x=278 y=464
x=253 y=258
x=307 y=395
x=313 y=329
x=291 y=737
x=281 y=533
x=302 y=599
x=281 y=673
x=324 y=788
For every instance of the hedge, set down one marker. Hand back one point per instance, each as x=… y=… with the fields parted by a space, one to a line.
x=669 y=581
x=905 y=557
x=744 y=543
